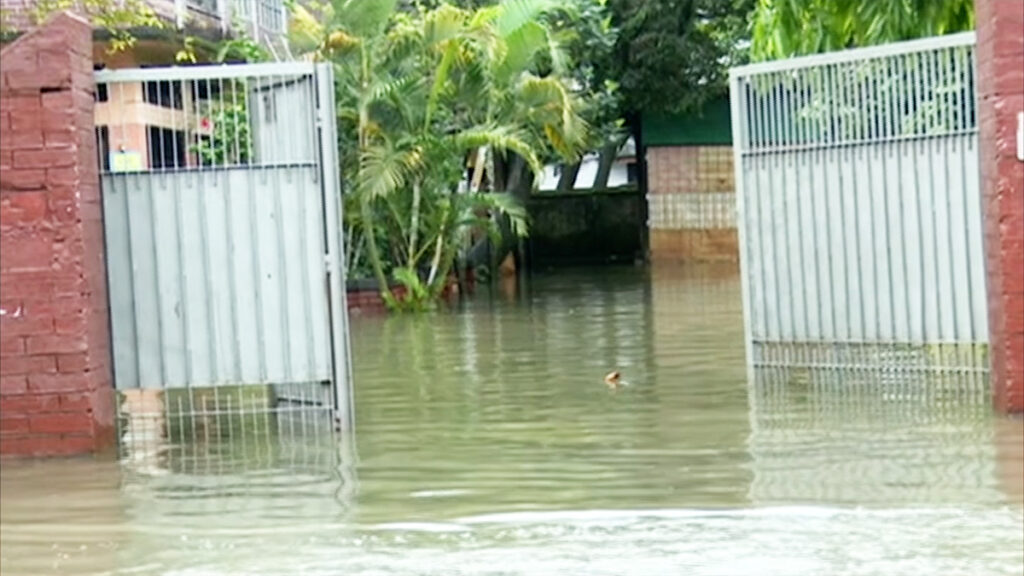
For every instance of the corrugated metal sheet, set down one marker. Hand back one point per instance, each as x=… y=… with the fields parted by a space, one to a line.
x=217 y=276
x=860 y=214
x=222 y=220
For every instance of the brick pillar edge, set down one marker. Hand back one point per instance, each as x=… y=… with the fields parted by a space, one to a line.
x=1000 y=29
x=56 y=393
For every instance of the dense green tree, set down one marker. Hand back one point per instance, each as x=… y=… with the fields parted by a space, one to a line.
x=668 y=56
x=786 y=28
x=673 y=55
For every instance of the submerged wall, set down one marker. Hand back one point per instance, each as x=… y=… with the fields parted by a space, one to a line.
x=55 y=378
x=585 y=227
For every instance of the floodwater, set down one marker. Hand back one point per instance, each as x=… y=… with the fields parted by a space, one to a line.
x=488 y=444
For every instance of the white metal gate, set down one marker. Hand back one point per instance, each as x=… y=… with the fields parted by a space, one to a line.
x=222 y=221
x=860 y=214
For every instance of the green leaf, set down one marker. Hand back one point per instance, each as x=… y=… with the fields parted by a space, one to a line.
x=365 y=18
x=514 y=14
x=443 y=24
x=521 y=47
x=501 y=138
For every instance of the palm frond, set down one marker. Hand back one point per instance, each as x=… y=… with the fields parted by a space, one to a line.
x=557 y=110
x=384 y=168
x=503 y=139
x=341 y=42
x=484 y=17
x=390 y=88
x=443 y=24
x=364 y=18
x=514 y=14
x=402 y=39
x=520 y=48
x=306 y=34
x=441 y=77
x=501 y=203
x=559 y=57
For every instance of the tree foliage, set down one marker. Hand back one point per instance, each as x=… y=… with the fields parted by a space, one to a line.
x=424 y=92
x=786 y=28
x=117 y=17
x=673 y=55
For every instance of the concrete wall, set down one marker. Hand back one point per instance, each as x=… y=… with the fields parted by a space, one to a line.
x=1001 y=99
x=55 y=380
x=691 y=204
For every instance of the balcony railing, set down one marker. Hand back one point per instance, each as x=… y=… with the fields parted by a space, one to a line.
x=261 y=17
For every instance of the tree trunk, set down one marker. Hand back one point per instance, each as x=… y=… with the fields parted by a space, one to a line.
x=414 y=224
x=514 y=175
x=479 y=168
x=608 y=155
x=511 y=176
x=447 y=258
x=436 y=262
x=371 y=245
x=567 y=183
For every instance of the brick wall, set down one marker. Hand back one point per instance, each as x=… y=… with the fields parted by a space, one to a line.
x=55 y=377
x=1001 y=97
x=691 y=204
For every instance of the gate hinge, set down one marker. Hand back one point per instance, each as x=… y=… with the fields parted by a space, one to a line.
x=329 y=265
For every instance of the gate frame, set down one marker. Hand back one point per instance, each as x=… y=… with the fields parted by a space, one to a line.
x=737 y=104
x=326 y=155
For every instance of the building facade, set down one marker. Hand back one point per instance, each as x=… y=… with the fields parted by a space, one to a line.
x=691 y=188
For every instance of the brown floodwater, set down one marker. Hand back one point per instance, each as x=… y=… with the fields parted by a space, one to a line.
x=487 y=443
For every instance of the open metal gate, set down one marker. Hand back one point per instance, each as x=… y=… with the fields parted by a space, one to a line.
x=222 y=219
x=860 y=217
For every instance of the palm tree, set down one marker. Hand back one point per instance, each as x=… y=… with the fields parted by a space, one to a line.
x=418 y=95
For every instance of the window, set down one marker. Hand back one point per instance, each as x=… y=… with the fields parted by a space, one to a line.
x=166 y=148
x=164 y=93
x=101 y=95
x=207 y=6
x=103 y=147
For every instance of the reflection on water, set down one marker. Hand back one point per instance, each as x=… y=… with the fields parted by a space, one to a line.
x=489 y=444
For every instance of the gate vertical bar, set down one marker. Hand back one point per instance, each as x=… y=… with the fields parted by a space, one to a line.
x=330 y=182
x=737 y=111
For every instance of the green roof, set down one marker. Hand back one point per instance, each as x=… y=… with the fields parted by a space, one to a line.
x=710 y=125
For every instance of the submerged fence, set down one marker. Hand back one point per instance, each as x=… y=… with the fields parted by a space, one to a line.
x=859 y=211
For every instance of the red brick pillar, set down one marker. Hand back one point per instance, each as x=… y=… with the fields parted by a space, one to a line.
x=55 y=377
x=1001 y=99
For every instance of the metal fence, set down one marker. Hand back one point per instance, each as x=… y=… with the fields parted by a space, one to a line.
x=901 y=439
x=859 y=211
x=224 y=252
